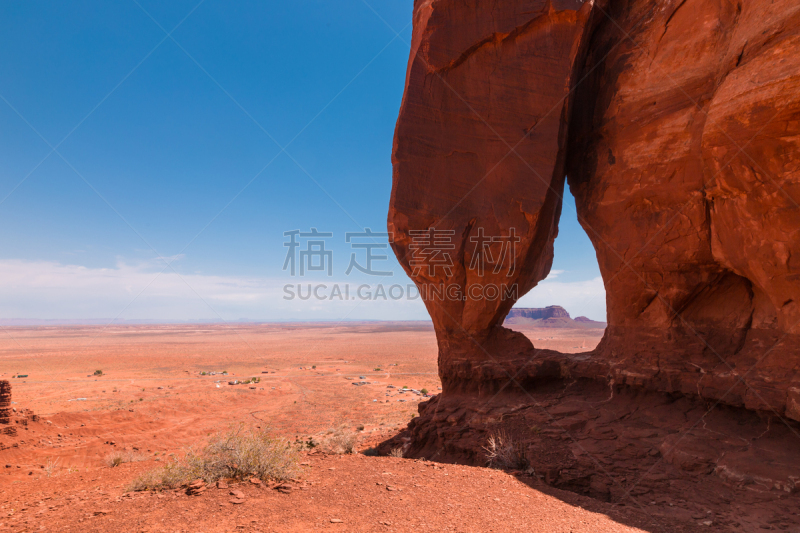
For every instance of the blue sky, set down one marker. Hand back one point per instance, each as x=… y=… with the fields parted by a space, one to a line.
x=200 y=132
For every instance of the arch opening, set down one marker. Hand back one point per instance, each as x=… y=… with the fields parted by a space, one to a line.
x=566 y=311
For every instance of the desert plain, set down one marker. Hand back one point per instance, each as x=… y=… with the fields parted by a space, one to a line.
x=154 y=391
x=153 y=400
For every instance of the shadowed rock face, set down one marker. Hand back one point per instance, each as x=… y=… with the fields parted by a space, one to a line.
x=681 y=139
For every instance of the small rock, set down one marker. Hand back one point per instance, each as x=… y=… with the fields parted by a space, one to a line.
x=196 y=487
x=101 y=512
x=222 y=485
x=336 y=521
x=286 y=489
x=237 y=501
x=237 y=494
x=255 y=481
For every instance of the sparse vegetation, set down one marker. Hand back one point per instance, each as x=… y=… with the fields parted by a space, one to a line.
x=503 y=453
x=240 y=453
x=360 y=427
x=396 y=452
x=51 y=466
x=341 y=440
x=313 y=367
x=405 y=386
x=307 y=444
x=424 y=391
x=119 y=457
x=98 y=372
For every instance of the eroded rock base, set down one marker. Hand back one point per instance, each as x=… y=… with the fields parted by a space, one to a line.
x=668 y=454
x=754 y=369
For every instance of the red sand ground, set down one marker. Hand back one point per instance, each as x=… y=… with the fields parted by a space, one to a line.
x=152 y=399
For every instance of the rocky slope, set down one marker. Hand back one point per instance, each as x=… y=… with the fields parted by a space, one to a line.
x=678 y=123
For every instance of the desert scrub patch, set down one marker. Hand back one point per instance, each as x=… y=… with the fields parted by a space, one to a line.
x=51 y=466
x=117 y=458
x=396 y=452
x=502 y=452
x=240 y=453
x=341 y=440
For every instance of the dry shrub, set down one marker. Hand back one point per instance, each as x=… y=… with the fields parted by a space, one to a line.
x=51 y=466
x=341 y=440
x=502 y=452
x=238 y=454
x=117 y=458
x=396 y=452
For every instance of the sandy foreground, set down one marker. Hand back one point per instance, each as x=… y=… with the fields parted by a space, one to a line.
x=153 y=400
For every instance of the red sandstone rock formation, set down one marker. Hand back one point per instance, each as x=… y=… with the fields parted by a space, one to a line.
x=479 y=158
x=686 y=170
x=5 y=402
x=678 y=123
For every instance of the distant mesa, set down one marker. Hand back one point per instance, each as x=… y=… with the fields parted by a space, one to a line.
x=553 y=316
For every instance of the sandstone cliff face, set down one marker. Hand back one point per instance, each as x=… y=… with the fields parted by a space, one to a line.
x=685 y=165
x=678 y=123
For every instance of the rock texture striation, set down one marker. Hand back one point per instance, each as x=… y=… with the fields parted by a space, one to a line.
x=678 y=124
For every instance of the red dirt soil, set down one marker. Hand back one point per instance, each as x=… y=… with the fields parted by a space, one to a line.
x=54 y=477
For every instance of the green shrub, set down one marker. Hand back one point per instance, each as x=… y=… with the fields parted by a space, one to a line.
x=98 y=372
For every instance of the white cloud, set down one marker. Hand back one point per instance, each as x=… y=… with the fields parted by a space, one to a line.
x=52 y=290
x=47 y=290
